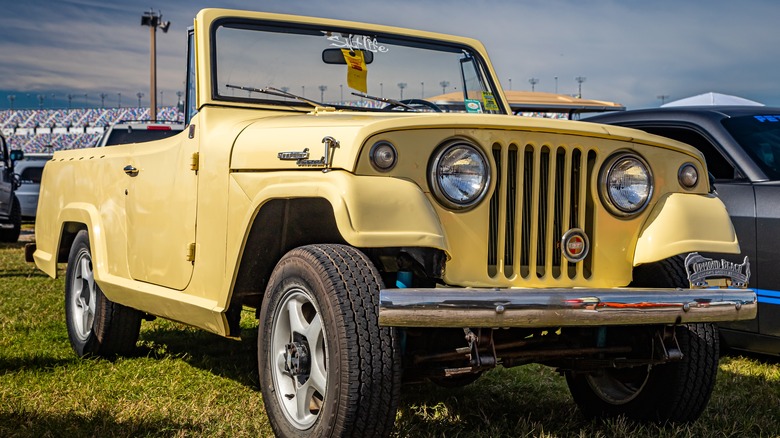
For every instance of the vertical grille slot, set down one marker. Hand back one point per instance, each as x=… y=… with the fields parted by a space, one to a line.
x=511 y=211
x=541 y=192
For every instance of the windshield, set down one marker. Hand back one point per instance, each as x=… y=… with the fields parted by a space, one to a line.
x=311 y=67
x=759 y=136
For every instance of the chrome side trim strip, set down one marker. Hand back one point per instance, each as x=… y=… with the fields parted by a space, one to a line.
x=470 y=307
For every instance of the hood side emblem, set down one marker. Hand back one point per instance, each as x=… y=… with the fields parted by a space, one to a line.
x=302 y=157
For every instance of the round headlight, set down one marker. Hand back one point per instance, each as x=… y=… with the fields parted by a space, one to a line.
x=459 y=175
x=688 y=176
x=627 y=184
x=383 y=156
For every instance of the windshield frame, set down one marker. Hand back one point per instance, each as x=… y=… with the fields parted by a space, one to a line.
x=381 y=32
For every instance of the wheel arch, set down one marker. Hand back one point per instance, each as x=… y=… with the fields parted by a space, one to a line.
x=279 y=226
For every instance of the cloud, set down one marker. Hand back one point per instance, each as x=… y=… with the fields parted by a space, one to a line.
x=630 y=51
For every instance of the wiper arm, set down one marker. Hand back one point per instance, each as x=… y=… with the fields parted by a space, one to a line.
x=277 y=92
x=386 y=100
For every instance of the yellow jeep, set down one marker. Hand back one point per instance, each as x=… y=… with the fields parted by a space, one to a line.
x=383 y=239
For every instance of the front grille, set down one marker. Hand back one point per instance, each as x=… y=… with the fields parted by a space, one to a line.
x=541 y=192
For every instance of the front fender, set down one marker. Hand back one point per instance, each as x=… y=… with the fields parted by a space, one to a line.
x=370 y=212
x=682 y=223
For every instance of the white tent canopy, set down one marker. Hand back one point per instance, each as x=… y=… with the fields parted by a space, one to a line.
x=713 y=99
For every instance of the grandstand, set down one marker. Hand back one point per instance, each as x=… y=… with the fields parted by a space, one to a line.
x=49 y=130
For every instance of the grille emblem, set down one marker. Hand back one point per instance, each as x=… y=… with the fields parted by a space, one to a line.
x=575 y=245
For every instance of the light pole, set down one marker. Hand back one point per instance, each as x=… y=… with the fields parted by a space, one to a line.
x=580 y=80
x=11 y=99
x=139 y=95
x=40 y=101
x=322 y=89
x=444 y=85
x=86 y=98
x=153 y=20
x=119 y=100
x=510 y=83
x=533 y=82
x=556 y=85
x=341 y=93
x=70 y=100
x=422 y=95
x=663 y=98
x=381 y=89
x=401 y=86
x=103 y=100
x=162 y=104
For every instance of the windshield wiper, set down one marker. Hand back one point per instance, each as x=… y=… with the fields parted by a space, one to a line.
x=277 y=92
x=386 y=100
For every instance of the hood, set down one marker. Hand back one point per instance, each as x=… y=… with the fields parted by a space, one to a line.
x=258 y=146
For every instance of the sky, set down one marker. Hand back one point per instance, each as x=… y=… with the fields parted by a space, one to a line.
x=637 y=53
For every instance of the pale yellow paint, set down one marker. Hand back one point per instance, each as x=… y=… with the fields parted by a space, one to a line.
x=681 y=223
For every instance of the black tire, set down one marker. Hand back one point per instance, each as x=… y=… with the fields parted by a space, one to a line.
x=11 y=235
x=319 y=337
x=676 y=391
x=96 y=326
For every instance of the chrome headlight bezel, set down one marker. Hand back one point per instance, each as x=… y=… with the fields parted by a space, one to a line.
x=443 y=159
x=616 y=206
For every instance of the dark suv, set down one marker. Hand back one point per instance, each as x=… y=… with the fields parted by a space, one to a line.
x=10 y=209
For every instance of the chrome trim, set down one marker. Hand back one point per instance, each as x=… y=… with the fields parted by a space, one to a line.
x=559 y=307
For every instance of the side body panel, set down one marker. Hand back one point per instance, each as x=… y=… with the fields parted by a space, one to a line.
x=768 y=255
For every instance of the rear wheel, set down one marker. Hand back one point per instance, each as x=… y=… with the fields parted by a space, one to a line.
x=675 y=391
x=96 y=325
x=10 y=231
x=326 y=367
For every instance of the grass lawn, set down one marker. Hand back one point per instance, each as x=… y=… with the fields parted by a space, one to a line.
x=186 y=382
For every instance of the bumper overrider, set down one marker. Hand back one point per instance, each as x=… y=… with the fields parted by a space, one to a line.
x=469 y=307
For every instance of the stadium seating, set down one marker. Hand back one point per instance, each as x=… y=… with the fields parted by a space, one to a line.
x=49 y=130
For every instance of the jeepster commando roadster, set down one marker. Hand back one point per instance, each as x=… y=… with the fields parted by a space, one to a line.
x=385 y=241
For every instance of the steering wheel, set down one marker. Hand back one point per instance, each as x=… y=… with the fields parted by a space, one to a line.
x=414 y=103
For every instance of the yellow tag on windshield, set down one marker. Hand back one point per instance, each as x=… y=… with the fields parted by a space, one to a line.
x=489 y=101
x=357 y=72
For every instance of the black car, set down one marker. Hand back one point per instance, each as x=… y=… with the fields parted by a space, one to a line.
x=742 y=147
x=10 y=209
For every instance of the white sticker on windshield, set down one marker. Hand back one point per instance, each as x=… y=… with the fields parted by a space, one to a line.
x=353 y=42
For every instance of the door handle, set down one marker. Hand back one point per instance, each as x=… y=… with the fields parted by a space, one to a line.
x=130 y=170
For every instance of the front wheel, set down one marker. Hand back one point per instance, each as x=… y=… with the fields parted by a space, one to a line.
x=675 y=391
x=326 y=367
x=96 y=325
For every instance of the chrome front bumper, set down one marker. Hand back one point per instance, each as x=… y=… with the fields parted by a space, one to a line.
x=466 y=307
